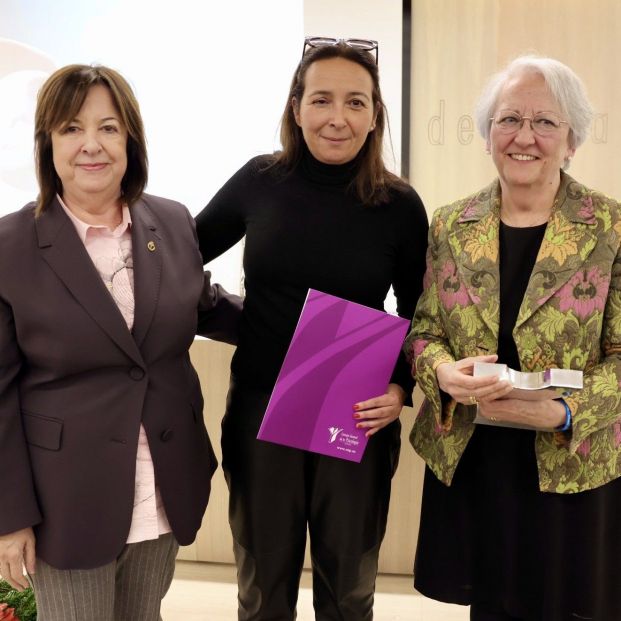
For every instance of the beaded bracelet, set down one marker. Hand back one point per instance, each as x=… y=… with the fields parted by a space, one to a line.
x=567 y=424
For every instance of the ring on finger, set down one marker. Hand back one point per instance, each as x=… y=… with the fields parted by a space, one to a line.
x=493 y=419
x=472 y=400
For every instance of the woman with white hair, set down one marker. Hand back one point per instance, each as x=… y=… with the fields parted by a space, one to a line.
x=520 y=515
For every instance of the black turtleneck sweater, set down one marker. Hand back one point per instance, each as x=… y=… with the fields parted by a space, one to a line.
x=306 y=230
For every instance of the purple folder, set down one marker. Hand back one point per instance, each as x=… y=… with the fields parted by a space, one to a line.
x=340 y=353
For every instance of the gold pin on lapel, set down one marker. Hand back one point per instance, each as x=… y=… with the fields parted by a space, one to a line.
x=151 y=246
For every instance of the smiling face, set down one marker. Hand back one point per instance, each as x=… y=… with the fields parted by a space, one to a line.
x=90 y=151
x=336 y=111
x=524 y=159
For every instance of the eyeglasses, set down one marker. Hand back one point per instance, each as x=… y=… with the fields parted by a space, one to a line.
x=543 y=123
x=367 y=45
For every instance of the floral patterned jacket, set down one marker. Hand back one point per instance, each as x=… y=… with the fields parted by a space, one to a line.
x=570 y=317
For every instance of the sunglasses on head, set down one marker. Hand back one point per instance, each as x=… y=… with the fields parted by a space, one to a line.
x=367 y=45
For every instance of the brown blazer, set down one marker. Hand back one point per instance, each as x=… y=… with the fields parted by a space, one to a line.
x=75 y=384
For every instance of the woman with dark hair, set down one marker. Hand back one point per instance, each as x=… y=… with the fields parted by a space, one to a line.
x=106 y=459
x=323 y=213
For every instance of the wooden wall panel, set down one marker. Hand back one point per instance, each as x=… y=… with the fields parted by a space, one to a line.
x=450 y=59
x=458 y=44
x=213 y=543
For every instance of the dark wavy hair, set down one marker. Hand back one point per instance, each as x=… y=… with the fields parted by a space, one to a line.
x=58 y=103
x=373 y=181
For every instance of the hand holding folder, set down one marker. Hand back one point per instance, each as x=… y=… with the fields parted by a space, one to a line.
x=341 y=353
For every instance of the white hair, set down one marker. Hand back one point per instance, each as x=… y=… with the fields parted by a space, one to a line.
x=565 y=86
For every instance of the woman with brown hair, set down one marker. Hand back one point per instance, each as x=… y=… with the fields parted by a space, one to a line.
x=106 y=459
x=323 y=213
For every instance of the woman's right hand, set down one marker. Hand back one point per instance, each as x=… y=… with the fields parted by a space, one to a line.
x=455 y=378
x=16 y=550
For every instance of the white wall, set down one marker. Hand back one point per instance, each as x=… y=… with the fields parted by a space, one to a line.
x=211 y=79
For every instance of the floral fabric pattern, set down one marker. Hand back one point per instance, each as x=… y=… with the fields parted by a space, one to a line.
x=570 y=317
x=584 y=293
x=452 y=291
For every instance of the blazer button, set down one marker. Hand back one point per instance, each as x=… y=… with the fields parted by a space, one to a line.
x=166 y=435
x=136 y=373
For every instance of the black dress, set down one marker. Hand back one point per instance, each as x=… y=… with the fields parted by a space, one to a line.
x=492 y=538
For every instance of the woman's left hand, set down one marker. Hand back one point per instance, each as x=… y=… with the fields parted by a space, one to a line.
x=545 y=414
x=375 y=413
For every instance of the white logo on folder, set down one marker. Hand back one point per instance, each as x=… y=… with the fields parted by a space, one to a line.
x=334 y=432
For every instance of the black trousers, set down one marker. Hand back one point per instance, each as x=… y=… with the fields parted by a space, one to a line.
x=277 y=492
x=482 y=613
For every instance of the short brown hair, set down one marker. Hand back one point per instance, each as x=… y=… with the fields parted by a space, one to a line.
x=58 y=103
x=373 y=179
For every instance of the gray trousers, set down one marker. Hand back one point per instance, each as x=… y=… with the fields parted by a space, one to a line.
x=130 y=588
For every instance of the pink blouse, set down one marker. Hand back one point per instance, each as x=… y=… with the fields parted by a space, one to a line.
x=111 y=253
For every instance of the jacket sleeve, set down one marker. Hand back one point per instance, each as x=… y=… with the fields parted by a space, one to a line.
x=18 y=502
x=598 y=405
x=219 y=312
x=427 y=345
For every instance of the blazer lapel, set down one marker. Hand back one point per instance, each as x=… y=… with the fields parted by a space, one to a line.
x=148 y=255
x=66 y=255
x=569 y=239
x=474 y=245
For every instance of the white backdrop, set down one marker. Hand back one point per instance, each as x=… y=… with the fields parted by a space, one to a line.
x=211 y=79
